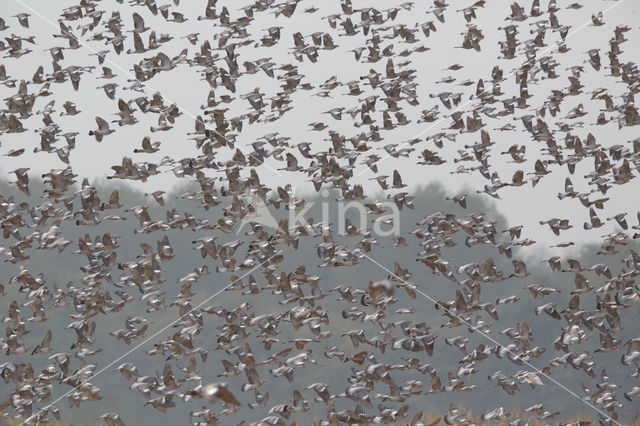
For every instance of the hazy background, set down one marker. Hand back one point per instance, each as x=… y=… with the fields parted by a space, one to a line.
x=60 y=268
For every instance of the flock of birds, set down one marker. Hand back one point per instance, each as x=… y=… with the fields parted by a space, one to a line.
x=226 y=171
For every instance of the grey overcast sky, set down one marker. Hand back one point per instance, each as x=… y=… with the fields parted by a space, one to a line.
x=185 y=87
